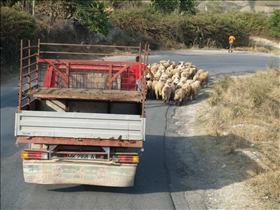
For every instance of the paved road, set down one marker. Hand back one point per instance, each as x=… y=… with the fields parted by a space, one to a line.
x=157 y=185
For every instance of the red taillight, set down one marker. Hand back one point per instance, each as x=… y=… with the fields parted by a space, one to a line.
x=34 y=155
x=128 y=159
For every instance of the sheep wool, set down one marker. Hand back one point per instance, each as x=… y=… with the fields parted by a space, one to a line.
x=179 y=96
x=166 y=92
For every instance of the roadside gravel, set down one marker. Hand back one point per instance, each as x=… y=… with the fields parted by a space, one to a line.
x=212 y=178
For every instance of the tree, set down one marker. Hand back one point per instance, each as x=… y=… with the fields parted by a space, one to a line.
x=165 y=6
x=91 y=14
x=15 y=25
x=169 y=6
x=189 y=6
x=274 y=23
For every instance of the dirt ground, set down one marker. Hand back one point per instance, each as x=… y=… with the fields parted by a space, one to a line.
x=216 y=179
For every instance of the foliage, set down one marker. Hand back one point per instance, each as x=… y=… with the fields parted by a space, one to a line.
x=188 y=30
x=169 y=6
x=165 y=6
x=274 y=23
x=189 y=6
x=91 y=14
x=121 y=4
x=214 y=6
x=256 y=22
x=15 y=25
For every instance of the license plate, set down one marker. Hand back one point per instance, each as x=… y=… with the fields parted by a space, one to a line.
x=81 y=156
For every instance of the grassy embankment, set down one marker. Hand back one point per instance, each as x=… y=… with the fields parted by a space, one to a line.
x=245 y=116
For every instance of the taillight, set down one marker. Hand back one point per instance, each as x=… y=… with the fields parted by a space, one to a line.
x=34 y=155
x=126 y=159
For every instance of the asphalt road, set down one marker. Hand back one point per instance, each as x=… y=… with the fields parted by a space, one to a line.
x=157 y=184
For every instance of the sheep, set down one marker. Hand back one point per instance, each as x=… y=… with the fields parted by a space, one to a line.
x=199 y=72
x=185 y=74
x=192 y=72
x=166 y=64
x=169 y=78
x=179 y=96
x=203 y=78
x=164 y=76
x=161 y=67
x=189 y=81
x=150 y=91
x=176 y=75
x=175 y=70
x=176 y=81
x=169 y=68
x=179 y=85
x=195 y=77
x=158 y=89
x=183 y=80
x=173 y=64
x=157 y=75
x=148 y=77
x=187 y=64
x=173 y=88
x=181 y=65
x=187 y=89
x=154 y=67
x=166 y=92
x=195 y=87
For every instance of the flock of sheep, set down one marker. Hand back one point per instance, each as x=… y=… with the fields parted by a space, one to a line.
x=175 y=82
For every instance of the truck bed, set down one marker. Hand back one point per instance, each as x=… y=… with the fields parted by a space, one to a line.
x=85 y=94
x=79 y=125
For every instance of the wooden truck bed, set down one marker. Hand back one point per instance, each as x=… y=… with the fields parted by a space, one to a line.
x=84 y=94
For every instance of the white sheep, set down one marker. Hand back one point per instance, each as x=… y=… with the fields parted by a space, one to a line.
x=179 y=85
x=150 y=91
x=158 y=89
x=199 y=72
x=203 y=78
x=166 y=92
x=188 y=90
x=195 y=87
x=179 y=96
x=175 y=76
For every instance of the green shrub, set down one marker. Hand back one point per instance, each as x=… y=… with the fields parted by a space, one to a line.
x=15 y=25
x=256 y=23
x=188 y=30
x=274 y=23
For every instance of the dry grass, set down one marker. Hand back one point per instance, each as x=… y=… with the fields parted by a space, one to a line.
x=259 y=49
x=248 y=108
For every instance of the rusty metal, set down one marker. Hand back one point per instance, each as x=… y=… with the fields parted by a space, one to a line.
x=79 y=172
x=73 y=141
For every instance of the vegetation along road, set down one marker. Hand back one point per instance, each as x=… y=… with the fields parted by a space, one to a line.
x=160 y=180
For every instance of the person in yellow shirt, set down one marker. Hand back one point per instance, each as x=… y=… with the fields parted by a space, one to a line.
x=231 y=40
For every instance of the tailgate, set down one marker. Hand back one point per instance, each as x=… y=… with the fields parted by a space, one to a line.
x=80 y=125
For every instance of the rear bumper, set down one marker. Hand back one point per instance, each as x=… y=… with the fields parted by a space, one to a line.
x=90 y=173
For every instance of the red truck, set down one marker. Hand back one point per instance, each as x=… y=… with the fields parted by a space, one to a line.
x=83 y=120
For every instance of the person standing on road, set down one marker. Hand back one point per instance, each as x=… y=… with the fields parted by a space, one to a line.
x=231 y=40
x=138 y=73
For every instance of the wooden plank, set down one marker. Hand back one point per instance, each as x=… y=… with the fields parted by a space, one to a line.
x=94 y=94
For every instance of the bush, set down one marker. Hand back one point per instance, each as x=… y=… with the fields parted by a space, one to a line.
x=15 y=25
x=188 y=30
x=274 y=23
x=256 y=23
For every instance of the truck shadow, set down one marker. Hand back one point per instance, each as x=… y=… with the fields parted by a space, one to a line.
x=186 y=164
x=183 y=163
